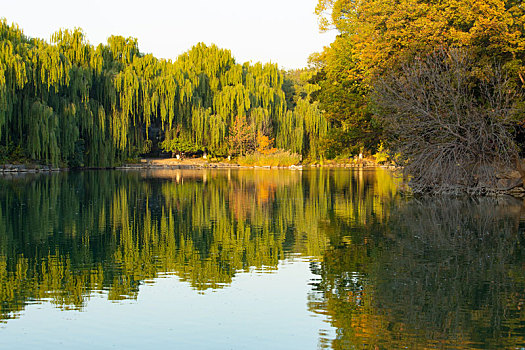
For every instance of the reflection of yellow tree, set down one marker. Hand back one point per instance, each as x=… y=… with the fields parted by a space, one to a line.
x=111 y=231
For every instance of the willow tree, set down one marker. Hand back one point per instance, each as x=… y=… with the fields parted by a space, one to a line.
x=304 y=124
x=68 y=102
x=60 y=98
x=214 y=90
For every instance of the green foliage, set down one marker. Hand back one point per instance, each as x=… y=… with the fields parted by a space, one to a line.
x=178 y=145
x=304 y=124
x=52 y=95
x=340 y=143
x=12 y=153
x=343 y=96
x=76 y=160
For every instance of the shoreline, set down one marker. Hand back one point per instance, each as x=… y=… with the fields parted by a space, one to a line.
x=172 y=163
x=29 y=168
x=512 y=186
x=199 y=163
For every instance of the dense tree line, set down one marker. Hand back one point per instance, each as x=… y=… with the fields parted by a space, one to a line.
x=68 y=102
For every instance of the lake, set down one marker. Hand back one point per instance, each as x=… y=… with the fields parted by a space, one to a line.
x=255 y=259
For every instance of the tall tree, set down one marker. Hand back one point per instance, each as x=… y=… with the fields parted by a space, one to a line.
x=379 y=37
x=67 y=102
x=386 y=33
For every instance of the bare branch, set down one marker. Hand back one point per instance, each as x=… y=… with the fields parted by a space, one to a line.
x=452 y=129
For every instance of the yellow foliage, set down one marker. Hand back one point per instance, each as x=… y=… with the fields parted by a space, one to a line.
x=265 y=144
x=384 y=34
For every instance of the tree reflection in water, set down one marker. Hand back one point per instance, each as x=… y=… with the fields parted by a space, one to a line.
x=391 y=272
x=442 y=273
x=66 y=235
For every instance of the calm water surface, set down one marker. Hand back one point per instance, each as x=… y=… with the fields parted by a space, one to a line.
x=249 y=259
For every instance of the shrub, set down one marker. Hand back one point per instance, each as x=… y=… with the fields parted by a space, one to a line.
x=277 y=158
x=177 y=145
x=381 y=156
x=451 y=123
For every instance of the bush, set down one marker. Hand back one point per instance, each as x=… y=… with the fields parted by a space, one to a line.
x=340 y=143
x=76 y=160
x=381 y=156
x=178 y=145
x=451 y=123
x=277 y=158
x=12 y=153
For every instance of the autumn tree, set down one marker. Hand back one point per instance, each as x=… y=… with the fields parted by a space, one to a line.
x=265 y=144
x=380 y=39
x=343 y=96
x=242 y=137
x=385 y=34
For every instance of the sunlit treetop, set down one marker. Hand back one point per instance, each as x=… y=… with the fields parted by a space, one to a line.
x=385 y=33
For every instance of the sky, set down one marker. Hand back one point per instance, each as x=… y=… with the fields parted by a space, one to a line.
x=285 y=32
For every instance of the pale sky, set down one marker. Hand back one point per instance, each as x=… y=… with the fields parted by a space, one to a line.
x=281 y=31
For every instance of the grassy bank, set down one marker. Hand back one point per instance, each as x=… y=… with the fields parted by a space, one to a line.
x=278 y=158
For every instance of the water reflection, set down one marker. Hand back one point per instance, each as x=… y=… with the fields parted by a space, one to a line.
x=443 y=273
x=65 y=235
x=390 y=272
